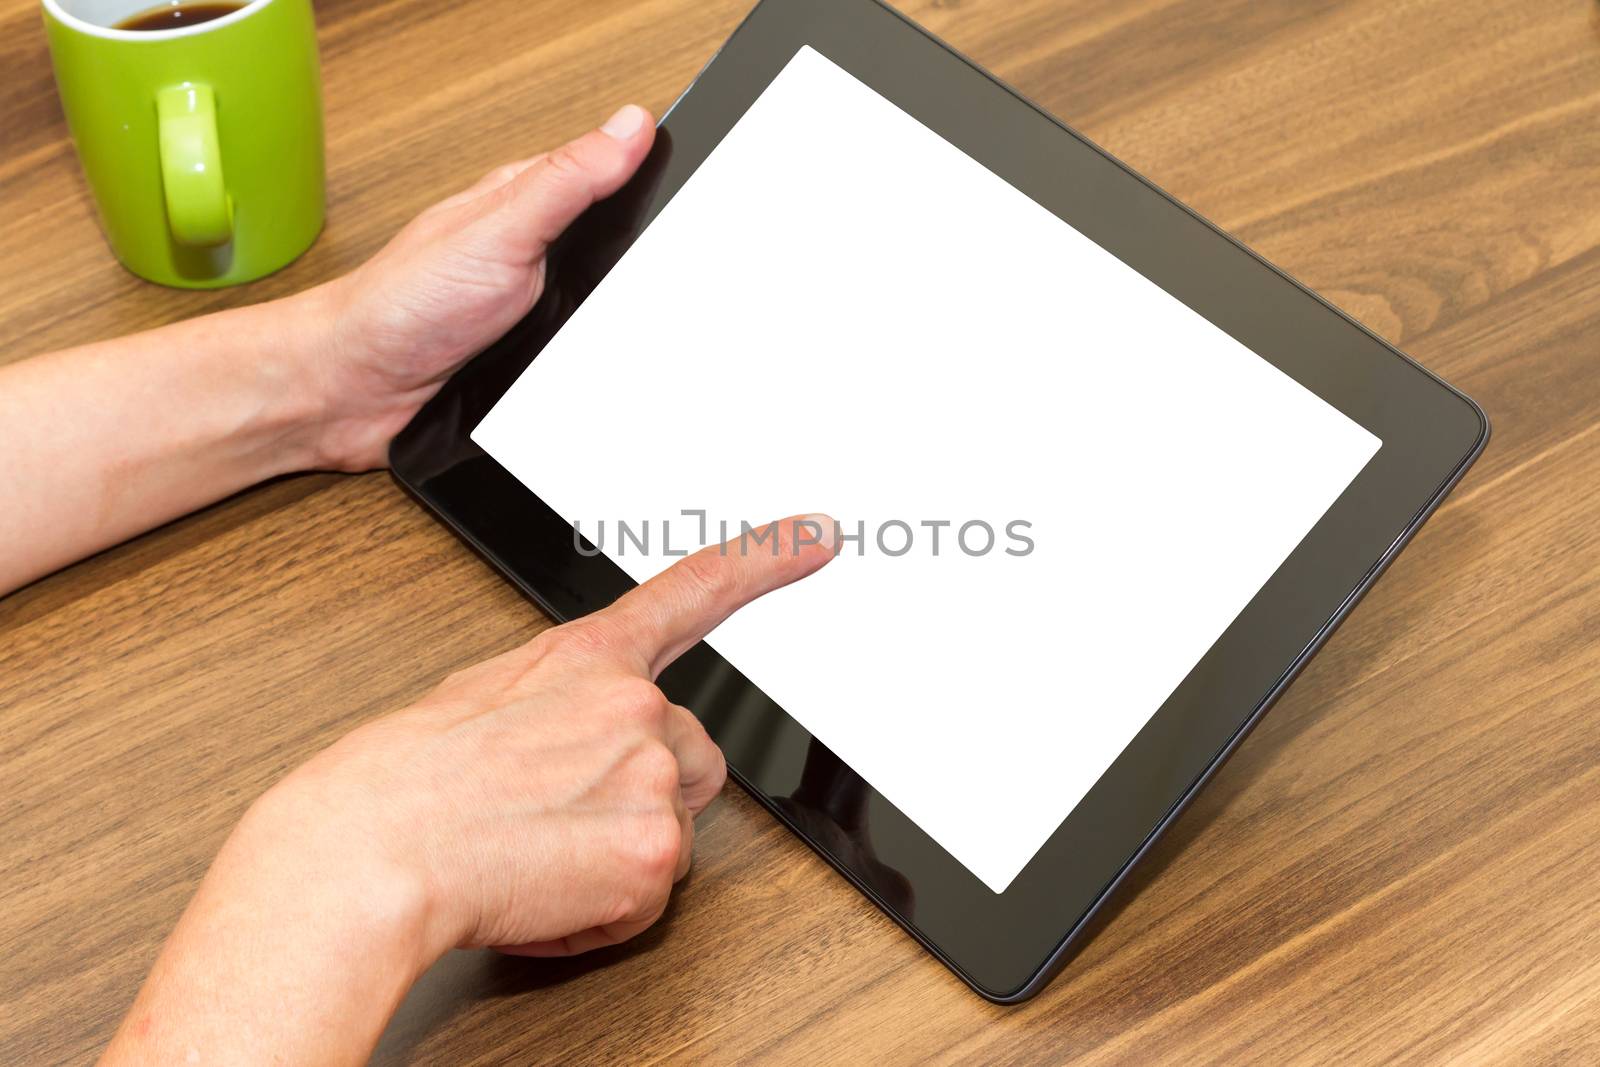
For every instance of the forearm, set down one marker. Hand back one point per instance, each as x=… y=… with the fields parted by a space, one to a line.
x=108 y=440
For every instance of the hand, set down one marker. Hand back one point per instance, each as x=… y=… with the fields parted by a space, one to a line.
x=323 y=379
x=456 y=278
x=544 y=801
x=541 y=802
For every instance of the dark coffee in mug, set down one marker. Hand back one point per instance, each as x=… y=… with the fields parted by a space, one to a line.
x=171 y=16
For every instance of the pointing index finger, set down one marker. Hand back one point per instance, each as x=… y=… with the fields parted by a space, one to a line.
x=672 y=612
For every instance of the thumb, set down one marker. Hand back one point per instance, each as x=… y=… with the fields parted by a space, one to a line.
x=543 y=200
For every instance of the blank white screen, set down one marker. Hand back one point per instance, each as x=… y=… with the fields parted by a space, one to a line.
x=842 y=312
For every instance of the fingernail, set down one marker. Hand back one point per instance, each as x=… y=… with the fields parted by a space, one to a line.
x=625 y=123
x=829 y=534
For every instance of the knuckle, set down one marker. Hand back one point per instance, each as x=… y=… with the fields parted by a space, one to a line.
x=657 y=841
x=565 y=162
x=707 y=574
x=654 y=771
x=643 y=903
x=641 y=703
x=649 y=849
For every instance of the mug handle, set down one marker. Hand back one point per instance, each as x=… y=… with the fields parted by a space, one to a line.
x=199 y=210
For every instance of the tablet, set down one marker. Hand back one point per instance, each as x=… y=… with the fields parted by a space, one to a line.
x=1105 y=479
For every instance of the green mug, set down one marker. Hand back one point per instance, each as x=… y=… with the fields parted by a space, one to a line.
x=202 y=144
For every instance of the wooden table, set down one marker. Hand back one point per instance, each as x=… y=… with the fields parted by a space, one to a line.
x=1401 y=863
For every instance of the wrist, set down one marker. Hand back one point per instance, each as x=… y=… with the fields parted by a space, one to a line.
x=327 y=877
x=348 y=402
x=306 y=346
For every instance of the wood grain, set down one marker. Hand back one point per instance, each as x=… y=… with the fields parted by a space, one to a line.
x=1399 y=865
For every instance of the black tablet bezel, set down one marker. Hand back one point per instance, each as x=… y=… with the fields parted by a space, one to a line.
x=1004 y=945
